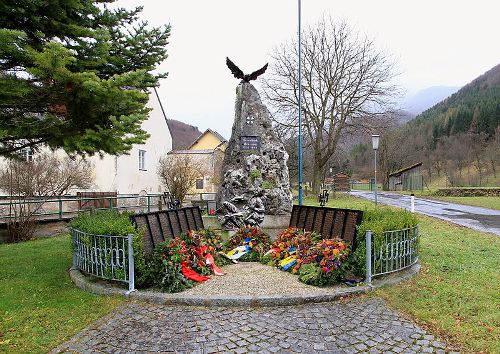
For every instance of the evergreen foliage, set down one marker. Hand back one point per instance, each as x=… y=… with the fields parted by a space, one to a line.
x=75 y=74
x=473 y=109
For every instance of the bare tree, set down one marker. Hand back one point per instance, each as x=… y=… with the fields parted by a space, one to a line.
x=346 y=83
x=31 y=183
x=179 y=174
x=46 y=175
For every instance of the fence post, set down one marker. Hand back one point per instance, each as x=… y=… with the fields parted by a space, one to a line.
x=73 y=244
x=131 y=265
x=149 y=204
x=368 y=236
x=110 y=203
x=60 y=208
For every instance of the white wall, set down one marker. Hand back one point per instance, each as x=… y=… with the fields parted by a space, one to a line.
x=121 y=174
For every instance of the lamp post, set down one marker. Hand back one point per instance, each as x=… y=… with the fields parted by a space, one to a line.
x=300 y=109
x=375 y=140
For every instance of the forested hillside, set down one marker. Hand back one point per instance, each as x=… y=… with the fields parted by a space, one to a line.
x=474 y=109
x=457 y=140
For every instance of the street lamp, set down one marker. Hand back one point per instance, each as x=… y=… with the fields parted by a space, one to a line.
x=375 y=139
x=300 y=106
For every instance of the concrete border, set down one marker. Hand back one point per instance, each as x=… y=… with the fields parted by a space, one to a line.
x=83 y=282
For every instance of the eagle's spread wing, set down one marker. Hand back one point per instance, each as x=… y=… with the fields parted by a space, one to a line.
x=255 y=74
x=234 y=69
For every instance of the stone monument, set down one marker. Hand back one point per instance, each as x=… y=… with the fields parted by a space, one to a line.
x=254 y=173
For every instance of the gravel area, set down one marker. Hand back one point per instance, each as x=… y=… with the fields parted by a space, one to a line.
x=252 y=278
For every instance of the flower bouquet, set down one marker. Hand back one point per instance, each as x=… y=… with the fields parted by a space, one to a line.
x=248 y=244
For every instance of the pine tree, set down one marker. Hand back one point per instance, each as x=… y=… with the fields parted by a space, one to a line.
x=75 y=74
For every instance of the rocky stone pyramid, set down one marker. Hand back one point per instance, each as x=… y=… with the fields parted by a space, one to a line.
x=255 y=162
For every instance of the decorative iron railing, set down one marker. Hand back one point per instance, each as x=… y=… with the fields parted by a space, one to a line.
x=107 y=257
x=396 y=250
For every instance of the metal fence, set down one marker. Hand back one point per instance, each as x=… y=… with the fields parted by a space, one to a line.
x=107 y=257
x=361 y=186
x=59 y=208
x=396 y=250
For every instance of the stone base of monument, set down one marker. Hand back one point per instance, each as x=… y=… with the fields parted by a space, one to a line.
x=274 y=224
x=271 y=225
x=210 y=221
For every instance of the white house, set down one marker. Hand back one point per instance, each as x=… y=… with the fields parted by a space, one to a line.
x=136 y=173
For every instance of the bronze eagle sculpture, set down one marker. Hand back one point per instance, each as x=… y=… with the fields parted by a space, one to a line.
x=240 y=75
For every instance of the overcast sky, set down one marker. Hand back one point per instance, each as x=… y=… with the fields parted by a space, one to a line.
x=433 y=42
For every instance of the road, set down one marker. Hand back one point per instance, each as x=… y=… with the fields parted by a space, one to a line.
x=481 y=219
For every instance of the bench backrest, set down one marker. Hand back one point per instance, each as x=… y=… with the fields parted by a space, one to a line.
x=163 y=225
x=329 y=222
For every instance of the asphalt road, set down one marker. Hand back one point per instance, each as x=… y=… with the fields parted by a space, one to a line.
x=482 y=219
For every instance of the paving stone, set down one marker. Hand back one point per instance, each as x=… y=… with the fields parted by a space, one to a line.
x=423 y=342
x=360 y=325
x=360 y=346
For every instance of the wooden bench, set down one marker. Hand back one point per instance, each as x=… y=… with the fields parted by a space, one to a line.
x=329 y=222
x=164 y=225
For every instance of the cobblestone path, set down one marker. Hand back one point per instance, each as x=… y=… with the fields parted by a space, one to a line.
x=361 y=325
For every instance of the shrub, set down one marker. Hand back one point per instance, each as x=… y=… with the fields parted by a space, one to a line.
x=379 y=221
x=166 y=263
x=114 y=223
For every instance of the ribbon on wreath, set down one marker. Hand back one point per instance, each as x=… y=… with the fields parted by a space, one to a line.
x=191 y=274
x=202 y=251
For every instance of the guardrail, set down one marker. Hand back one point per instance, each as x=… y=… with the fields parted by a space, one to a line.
x=397 y=250
x=59 y=207
x=103 y=256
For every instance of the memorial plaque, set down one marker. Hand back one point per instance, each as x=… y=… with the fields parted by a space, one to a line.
x=250 y=143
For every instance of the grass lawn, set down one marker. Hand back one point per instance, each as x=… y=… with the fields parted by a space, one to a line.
x=484 y=202
x=39 y=305
x=457 y=292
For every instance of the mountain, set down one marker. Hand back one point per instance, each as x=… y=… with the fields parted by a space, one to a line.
x=474 y=109
x=403 y=117
x=427 y=98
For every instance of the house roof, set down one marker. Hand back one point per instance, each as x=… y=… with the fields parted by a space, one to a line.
x=192 y=152
x=405 y=169
x=182 y=134
x=220 y=137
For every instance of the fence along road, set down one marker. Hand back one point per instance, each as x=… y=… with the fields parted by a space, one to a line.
x=481 y=219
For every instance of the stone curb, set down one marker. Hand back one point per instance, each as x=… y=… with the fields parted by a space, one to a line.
x=83 y=283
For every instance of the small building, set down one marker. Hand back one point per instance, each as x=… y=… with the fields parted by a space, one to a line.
x=134 y=173
x=341 y=182
x=206 y=152
x=209 y=140
x=407 y=179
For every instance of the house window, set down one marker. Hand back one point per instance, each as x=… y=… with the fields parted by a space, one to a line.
x=26 y=154
x=142 y=160
x=199 y=183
